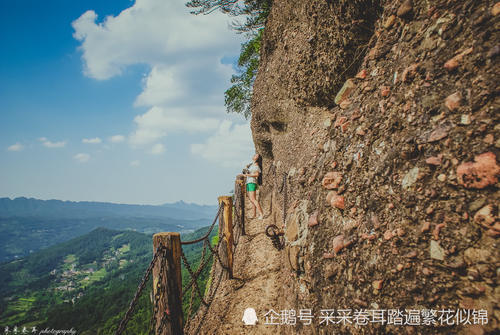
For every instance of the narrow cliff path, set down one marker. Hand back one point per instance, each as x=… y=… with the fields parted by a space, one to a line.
x=256 y=283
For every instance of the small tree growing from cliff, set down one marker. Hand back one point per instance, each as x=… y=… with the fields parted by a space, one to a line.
x=237 y=98
x=254 y=11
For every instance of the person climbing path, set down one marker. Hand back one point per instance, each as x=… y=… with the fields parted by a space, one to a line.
x=253 y=175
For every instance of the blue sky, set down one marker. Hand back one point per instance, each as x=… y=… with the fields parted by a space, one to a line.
x=118 y=101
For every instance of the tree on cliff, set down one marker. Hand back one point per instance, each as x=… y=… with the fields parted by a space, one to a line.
x=237 y=98
x=254 y=11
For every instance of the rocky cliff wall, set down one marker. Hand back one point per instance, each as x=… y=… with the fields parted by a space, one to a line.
x=383 y=118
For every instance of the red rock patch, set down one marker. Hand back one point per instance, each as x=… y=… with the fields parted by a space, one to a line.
x=332 y=180
x=480 y=173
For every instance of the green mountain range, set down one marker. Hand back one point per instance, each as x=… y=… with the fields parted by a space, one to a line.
x=30 y=207
x=28 y=225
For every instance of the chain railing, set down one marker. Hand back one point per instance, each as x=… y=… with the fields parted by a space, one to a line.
x=204 y=261
x=169 y=254
x=140 y=288
x=275 y=234
x=206 y=299
x=219 y=267
x=283 y=189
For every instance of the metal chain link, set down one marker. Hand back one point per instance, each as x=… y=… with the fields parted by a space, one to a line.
x=140 y=288
x=209 y=230
x=194 y=277
x=200 y=266
x=285 y=197
x=210 y=300
x=216 y=253
x=272 y=231
x=211 y=294
x=212 y=290
x=275 y=235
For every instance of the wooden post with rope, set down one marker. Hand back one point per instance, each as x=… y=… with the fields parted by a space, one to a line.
x=167 y=285
x=226 y=232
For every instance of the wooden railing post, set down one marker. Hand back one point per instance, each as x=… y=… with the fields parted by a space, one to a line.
x=240 y=181
x=227 y=231
x=170 y=287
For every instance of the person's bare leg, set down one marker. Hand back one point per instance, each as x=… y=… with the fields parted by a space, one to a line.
x=259 y=209
x=256 y=205
x=251 y=195
x=257 y=200
x=244 y=202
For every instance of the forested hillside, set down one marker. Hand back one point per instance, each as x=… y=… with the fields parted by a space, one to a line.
x=85 y=284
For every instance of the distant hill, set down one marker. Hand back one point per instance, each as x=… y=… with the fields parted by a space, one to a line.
x=28 y=225
x=30 y=207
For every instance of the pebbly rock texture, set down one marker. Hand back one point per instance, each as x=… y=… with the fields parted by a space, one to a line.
x=382 y=117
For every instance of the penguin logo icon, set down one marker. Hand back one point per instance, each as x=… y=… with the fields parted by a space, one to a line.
x=249 y=317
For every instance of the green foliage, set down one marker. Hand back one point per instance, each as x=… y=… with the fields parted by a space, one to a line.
x=254 y=11
x=238 y=97
x=30 y=294
x=215 y=240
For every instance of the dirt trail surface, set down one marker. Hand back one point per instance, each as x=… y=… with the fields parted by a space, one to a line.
x=256 y=284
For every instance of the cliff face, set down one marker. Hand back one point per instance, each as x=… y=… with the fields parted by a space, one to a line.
x=383 y=115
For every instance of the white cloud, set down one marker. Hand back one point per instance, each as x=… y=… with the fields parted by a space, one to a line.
x=158 y=149
x=16 y=147
x=82 y=157
x=157 y=121
x=146 y=33
x=160 y=86
x=95 y=140
x=117 y=138
x=230 y=146
x=184 y=90
x=135 y=163
x=50 y=144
